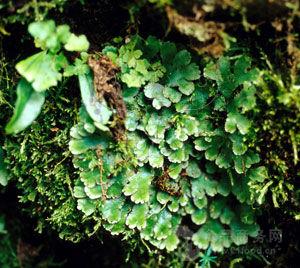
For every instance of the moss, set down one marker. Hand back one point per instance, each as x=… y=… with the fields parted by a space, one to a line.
x=25 y=11
x=279 y=138
x=39 y=160
x=42 y=168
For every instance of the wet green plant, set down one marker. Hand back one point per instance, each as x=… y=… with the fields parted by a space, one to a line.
x=45 y=69
x=24 y=12
x=40 y=165
x=278 y=138
x=188 y=152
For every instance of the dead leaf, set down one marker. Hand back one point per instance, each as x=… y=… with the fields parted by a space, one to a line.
x=107 y=87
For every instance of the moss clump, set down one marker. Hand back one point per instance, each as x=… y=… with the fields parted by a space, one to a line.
x=40 y=164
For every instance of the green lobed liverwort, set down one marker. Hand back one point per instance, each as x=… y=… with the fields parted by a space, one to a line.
x=188 y=150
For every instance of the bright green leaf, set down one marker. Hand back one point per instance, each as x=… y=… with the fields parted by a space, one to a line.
x=27 y=108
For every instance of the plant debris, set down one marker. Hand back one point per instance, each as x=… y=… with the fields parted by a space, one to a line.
x=209 y=34
x=108 y=88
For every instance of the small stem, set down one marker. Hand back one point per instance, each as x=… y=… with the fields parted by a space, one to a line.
x=294 y=145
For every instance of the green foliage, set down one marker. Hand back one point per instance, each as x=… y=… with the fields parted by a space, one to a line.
x=99 y=112
x=190 y=152
x=278 y=139
x=40 y=164
x=207 y=259
x=5 y=83
x=24 y=12
x=3 y=170
x=28 y=106
x=229 y=77
x=187 y=154
x=45 y=69
x=161 y=3
x=204 y=140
